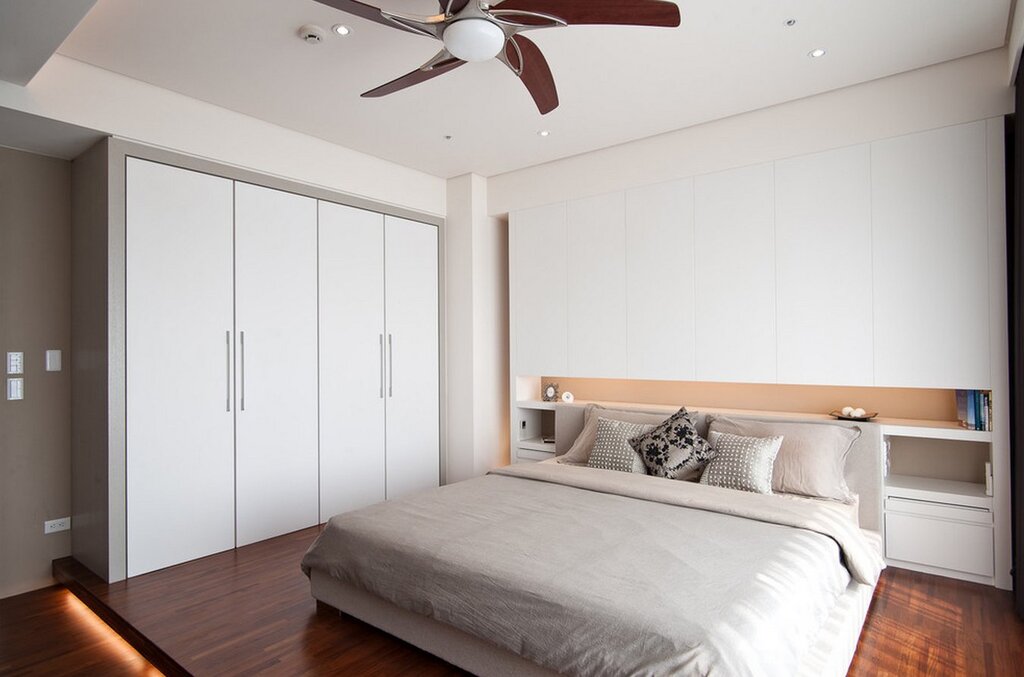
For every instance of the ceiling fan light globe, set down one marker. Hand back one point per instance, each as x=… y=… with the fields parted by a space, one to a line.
x=474 y=39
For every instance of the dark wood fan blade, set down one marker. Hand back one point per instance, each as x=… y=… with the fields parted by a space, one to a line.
x=457 y=5
x=575 y=12
x=440 y=67
x=365 y=11
x=536 y=74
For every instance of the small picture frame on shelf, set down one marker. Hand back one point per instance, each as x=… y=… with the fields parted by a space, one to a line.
x=550 y=392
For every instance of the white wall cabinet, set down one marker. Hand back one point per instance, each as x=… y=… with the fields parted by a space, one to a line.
x=735 y=270
x=866 y=265
x=823 y=267
x=537 y=284
x=660 y=276
x=276 y=321
x=410 y=291
x=596 y=286
x=352 y=349
x=930 y=216
x=180 y=421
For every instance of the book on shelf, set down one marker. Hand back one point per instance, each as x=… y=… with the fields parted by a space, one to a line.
x=974 y=409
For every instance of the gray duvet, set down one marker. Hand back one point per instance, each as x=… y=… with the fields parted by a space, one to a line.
x=594 y=572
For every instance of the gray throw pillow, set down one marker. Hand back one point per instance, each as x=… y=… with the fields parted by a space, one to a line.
x=743 y=463
x=812 y=460
x=579 y=452
x=674 y=449
x=611 y=448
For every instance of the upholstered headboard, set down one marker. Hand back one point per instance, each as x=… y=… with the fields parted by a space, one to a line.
x=863 y=464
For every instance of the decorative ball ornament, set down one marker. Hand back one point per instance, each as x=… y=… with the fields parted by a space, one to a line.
x=567 y=397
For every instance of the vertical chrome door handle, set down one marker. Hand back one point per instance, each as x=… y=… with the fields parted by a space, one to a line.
x=242 y=339
x=391 y=368
x=382 y=366
x=227 y=337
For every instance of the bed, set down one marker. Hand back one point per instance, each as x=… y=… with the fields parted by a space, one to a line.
x=549 y=568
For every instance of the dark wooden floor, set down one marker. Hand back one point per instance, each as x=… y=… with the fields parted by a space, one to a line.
x=249 y=611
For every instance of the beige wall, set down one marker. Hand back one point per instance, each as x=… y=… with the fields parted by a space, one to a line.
x=81 y=94
x=35 y=297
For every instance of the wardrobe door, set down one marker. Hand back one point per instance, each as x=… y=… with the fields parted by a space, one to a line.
x=596 y=286
x=660 y=298
x=180 y=418
x=352 y=344
x=823 y=267
x=930 y=247
x=735 y=271
x=537 y=291
x=411 y=344
x=276 y=321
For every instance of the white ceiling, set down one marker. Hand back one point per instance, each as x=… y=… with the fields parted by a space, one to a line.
x=615 y=84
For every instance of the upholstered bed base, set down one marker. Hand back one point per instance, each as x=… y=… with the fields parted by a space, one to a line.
x=831 y=653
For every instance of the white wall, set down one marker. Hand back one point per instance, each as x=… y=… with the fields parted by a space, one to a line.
x=1015 y=43
x=476 y=316
x=958 y=91
x=75 y=92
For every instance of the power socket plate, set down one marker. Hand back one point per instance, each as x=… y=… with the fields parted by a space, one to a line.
x=59 y=524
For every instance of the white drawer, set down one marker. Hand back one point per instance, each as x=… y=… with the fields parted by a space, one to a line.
x=939 y=510
x=533 y=455
x=939 y=543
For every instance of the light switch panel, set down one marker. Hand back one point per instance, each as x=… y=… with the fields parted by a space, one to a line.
x=52 y=360
x=15 y=363
x=15 y=389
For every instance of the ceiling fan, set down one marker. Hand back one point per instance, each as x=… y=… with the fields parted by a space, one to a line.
x=475 y=30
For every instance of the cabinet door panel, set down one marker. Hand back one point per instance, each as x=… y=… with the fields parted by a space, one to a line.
x=276 y=319
x=596 y=286
x=660 y=297
x=537 y=279
x=413 y=397
x=929 y=194
x=735 y=268
x=823 y=267
x=180 y=427
x=351 y=358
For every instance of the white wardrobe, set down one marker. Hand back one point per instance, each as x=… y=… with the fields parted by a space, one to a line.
x=281 y=362
x=379 y=358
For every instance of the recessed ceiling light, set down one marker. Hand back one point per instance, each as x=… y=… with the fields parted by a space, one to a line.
x=341 y=29
x=448 y=137
x=815 y=53
x=789 y=23
x=544 y=132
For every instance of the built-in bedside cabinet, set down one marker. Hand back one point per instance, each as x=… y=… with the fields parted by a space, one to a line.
x=939 y=525
x=534 y=423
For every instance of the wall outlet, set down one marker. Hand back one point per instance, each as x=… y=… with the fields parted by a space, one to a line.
x=59 y=524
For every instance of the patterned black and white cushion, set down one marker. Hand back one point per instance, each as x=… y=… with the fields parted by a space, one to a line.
x=743 y=463
x=611 y=448
x=674 y=448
